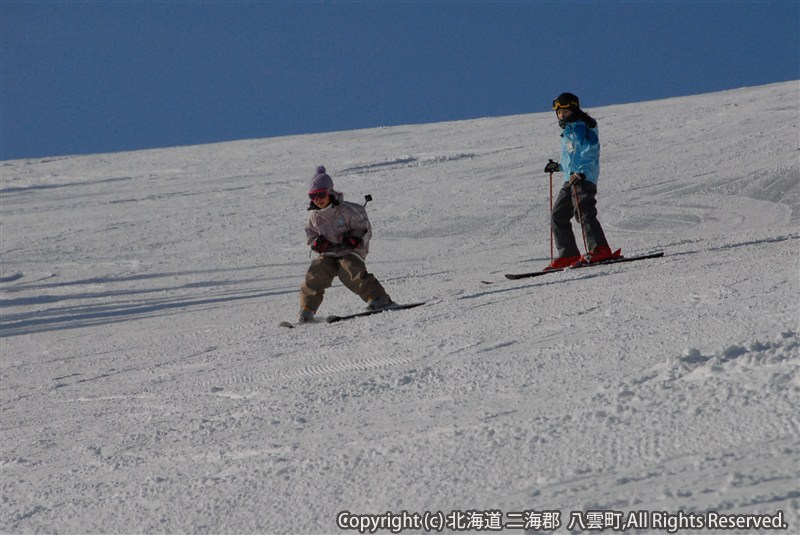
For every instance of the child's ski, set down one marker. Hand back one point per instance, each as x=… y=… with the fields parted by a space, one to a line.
x=515 y=276
x=290 y=325
x=334 y=319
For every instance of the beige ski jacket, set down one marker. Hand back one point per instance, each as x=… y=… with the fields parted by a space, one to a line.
x=337 y=219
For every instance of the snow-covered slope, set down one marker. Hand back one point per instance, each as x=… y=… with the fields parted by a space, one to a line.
x=147 y=387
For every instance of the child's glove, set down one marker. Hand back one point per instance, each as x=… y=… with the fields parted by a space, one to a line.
x=350 y=241
x=320 y=245
x=575 y=178
x=552 y=167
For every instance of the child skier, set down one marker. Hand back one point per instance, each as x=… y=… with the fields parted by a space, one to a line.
x=580 y=162
x=340 y=232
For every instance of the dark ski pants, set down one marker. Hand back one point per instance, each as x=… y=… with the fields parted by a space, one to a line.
x=350 y=269
x=564 y=209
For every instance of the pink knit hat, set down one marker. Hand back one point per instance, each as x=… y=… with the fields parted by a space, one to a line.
x=321 y=181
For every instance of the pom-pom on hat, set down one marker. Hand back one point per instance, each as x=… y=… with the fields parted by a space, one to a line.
x=321 y=180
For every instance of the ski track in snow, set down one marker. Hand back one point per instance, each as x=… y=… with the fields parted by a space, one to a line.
x=147 y=388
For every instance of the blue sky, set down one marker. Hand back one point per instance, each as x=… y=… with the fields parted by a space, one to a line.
x=93 y=77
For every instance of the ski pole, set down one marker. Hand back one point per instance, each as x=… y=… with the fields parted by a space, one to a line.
x=580 y=218
x=367 y=198
x=551 y=217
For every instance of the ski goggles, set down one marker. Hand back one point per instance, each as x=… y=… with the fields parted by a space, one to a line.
x=564 y=105
x=317 y=194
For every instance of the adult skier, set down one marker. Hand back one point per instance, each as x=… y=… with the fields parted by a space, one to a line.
x=580 y=163
x=339 y=232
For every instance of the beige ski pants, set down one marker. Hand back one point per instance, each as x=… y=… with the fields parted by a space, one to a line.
x=350 y=269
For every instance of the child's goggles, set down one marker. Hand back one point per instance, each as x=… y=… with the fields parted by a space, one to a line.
x=317 y=194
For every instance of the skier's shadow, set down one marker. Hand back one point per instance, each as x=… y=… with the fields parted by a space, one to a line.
x=59 y=309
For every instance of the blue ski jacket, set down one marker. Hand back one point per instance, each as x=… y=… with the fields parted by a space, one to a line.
x=580 y=151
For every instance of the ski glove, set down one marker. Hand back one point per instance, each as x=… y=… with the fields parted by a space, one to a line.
x=320 y=245
x=575 y=178
x=350 y=241
x=552 y=167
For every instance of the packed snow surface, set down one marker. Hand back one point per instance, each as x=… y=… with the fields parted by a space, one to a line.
x=147 y=386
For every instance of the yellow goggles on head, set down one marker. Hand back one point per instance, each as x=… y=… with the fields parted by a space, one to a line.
x=561 y=105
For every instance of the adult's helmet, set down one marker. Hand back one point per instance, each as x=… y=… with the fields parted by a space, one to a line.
x=566 y=101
